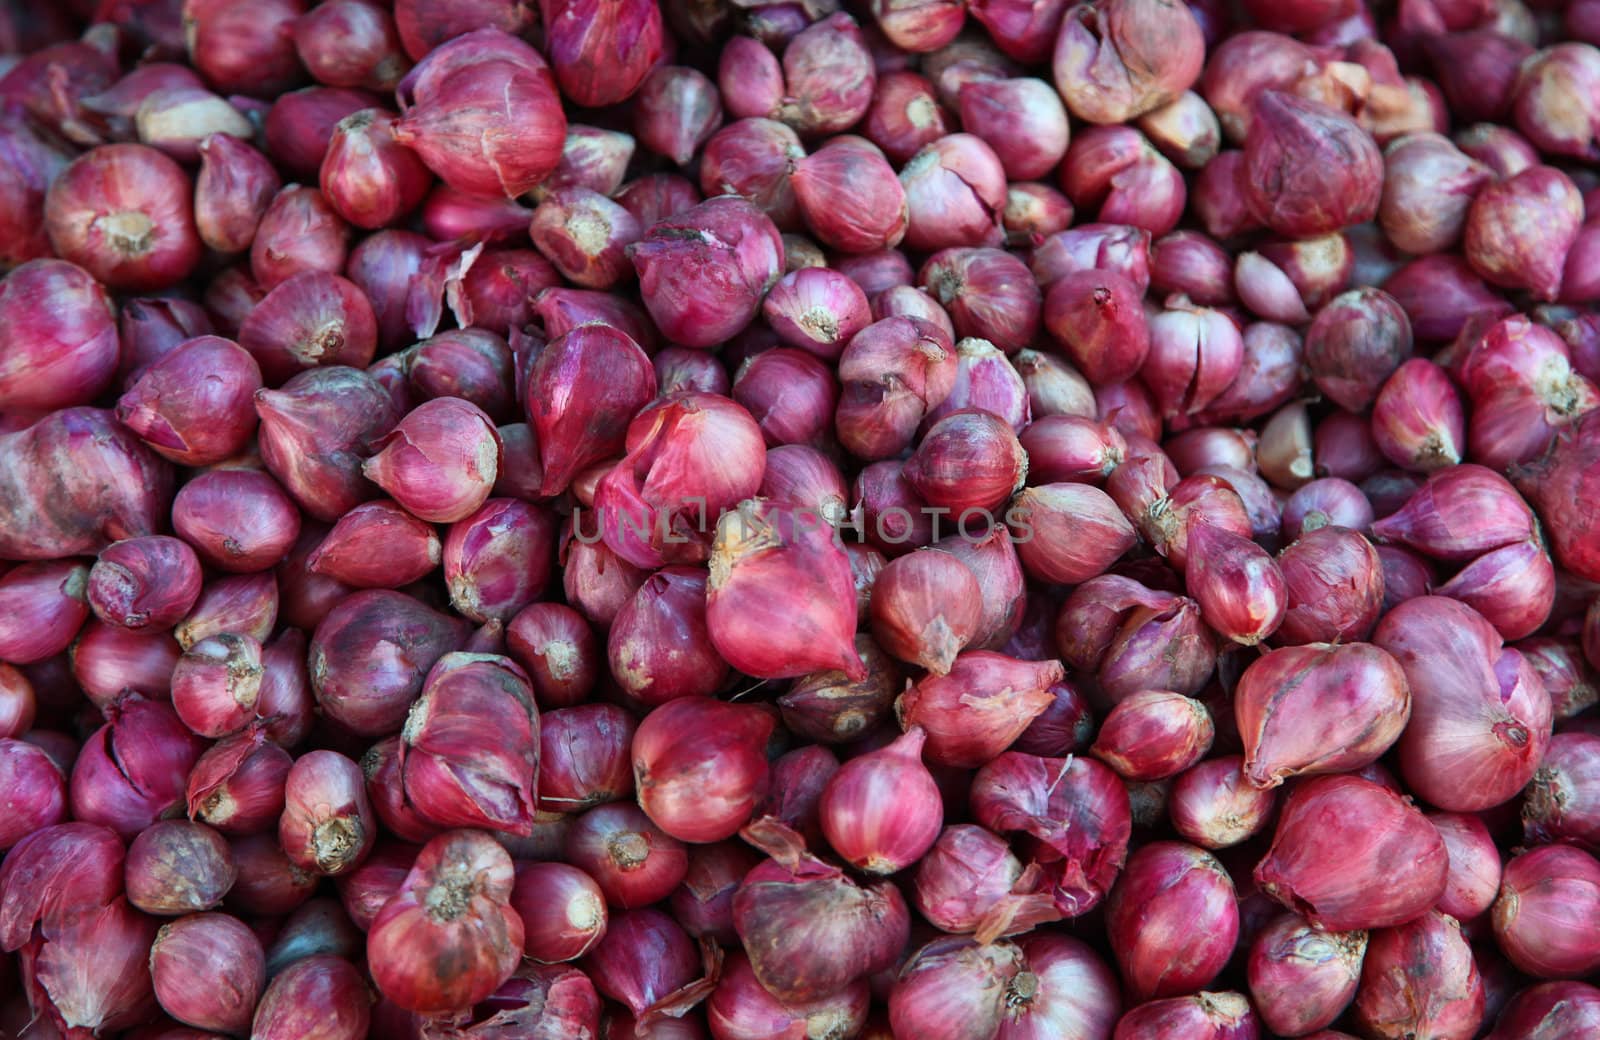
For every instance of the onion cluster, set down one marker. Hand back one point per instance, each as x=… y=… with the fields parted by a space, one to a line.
x=750 y=520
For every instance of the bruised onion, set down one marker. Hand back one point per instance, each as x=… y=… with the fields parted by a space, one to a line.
x=1302 y=978
x=450 y=936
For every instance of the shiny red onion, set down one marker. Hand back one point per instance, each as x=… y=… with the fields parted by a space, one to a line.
x=1333 y=852
x=1172 y=920
x=1478 y=711
x=700 y=766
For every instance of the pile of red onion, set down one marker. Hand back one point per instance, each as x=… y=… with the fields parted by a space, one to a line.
x=780 y=520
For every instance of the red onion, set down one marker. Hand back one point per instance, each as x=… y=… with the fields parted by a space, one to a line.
x=808 y=928
x=1559 y=486
x=633 y=861
x=741 y=1009
x=42 y=606
x=18 y=704
x=1477 y=711
x=700 y=768
x=315 y=431
x=1554 y=1008
x=926 y=608
x=584 y=383
x=1153 y=735
x=969 y=881
x=562 y=910
x=34 y=159
x=797 y=782
x=584 y=234
x=216 y=683
x=685 y=370
x=1213 y=806
x=122 y=213
x=237 y=786
x=977 y=709
x=130 y=772
x=108 y=661
x=1428 y=186
x=790 y=393
x=209 y=971
x=1207 y=1015
x=1124 y=59
x=1421 y=978
x=1513 y=587
x=350 y=43
x=1242 y=592
x=761 y=550
x=1096 y=317
x=299 y=233
x=55 y=874
x=955 y=989
x=871 y=215
x=64 y=346
x=91 y=973
x=1280 y=693
x=955 y=190
x=1459 y=514
x=1308 y=169
x=497 y=560
x=440 y=461
x=1357 y=340
x=1519 y=230
x=905 y=114
x=244 y=604
x=450 y=936
x=237 y=520
x=268 y=883
x=1171 y=920
x=37 y=791
x=465 y=115
x=1523 y=392
x=584 y=757
x=1546 y=897
x=1474 y=876
x=145 y=583
x=1075 y=812
x=667 y=611
x=601 y=55
x=190 y=420
x=831 y=708
x=411 y=548
x=1335 y=585
x=1116 y=172
x=650 y=965
x=1333 y=852
x=454 y=779
x=1553 y=103
x=881 y=811
x=1417 y=418
x=366 y=176
x=327 y=825
x=370 y=655
x=1301 y=977
x=556 y=647
x=828 y=77
x=366 y=889
x=322 y=996
x=726 y=240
